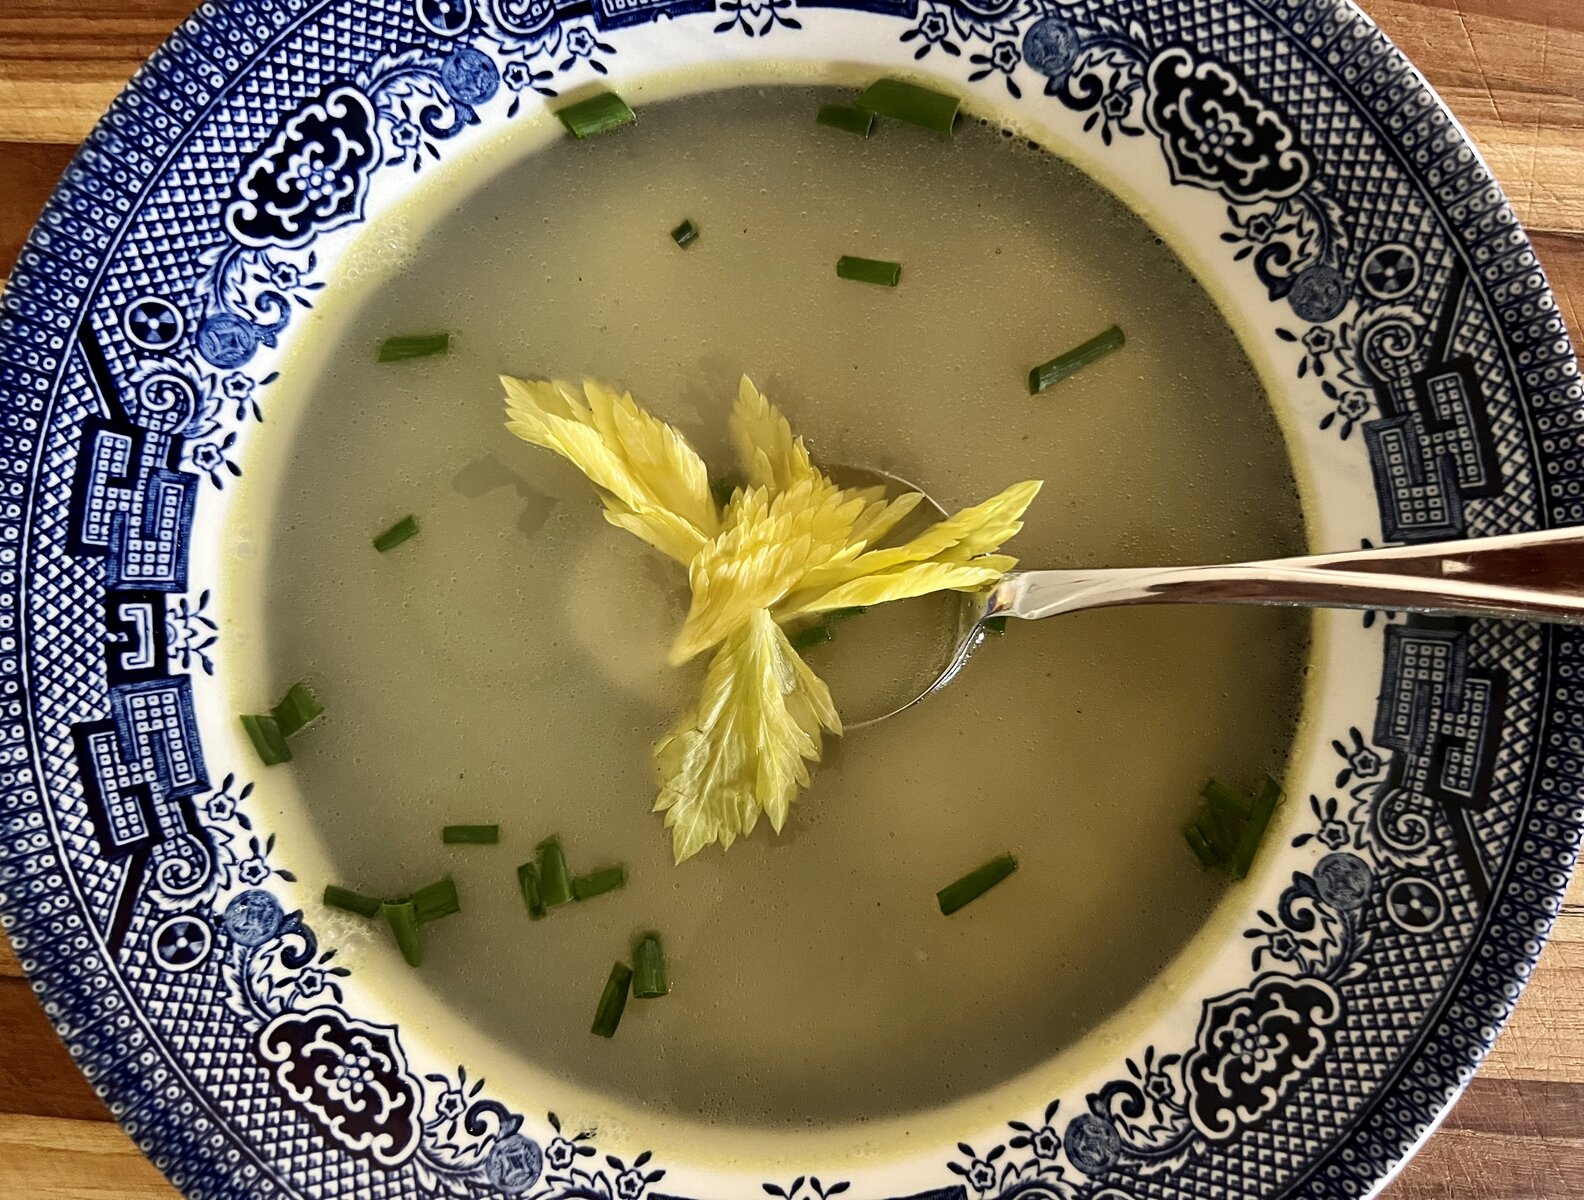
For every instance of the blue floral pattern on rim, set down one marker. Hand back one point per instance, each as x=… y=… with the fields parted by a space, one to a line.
x=136 y=350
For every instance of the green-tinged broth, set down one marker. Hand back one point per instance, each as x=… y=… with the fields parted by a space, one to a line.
x=506 y=664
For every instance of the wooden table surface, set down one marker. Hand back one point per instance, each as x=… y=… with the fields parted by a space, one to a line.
x=1512 y=70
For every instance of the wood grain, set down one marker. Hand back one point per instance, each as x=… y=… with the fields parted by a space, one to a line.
x=75 y=1160
x=1514 y=75
x=37 y=1076
x=63 y=61
x=1513 y=72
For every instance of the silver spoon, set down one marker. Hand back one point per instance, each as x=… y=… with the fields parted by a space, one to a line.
x=1520 y=576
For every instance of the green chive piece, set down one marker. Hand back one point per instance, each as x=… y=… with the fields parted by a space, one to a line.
x=685 y=234
x=299 y=709
x=1209 y=857
x=649 y=969
x=398 y=533
x=436 y=900
x=849 y=118
x=555 y=881
x=1226 y=834
x=902 y=101
x=995 y=625
x=267 y=739
x=470 y=835
x=528 y=882
x=1226 y=802
x=869 y=270
x=1263 y=808
x=1221 y=828
x=597 y=114
x=810 y=636
x=349 y=901
x=836 y=615
x=612 y=1002
x=597 y=883
x=421 y=345
x=1063 y=365
x=975 y=884
x=402 y=916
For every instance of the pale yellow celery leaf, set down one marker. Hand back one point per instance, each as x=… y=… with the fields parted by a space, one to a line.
x=548 y=415
x=999 y=523
x=1001 y=563
x=767 y=546
x=585 y=449
x=658 y=455
x=884 y=516
x=628 y=455
x=744 y=747
x=549 y=397
x=665 y=531
x=984 y=525
x=810 y=701
x=901 y=583
x=981 y=527
x=627 y=502
x=771 y=456
x=875 y=521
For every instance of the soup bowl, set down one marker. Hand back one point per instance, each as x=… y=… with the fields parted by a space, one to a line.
x=164 y=891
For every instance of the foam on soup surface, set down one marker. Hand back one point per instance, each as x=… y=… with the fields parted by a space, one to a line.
x=507 y=665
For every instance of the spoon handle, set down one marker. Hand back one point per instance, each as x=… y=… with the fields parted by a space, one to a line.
x=1523 y=576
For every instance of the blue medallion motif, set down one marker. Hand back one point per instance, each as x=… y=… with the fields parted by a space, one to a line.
x=351 y=1075
x=1217 y=135
x=1254 y=1046
x=311 y=178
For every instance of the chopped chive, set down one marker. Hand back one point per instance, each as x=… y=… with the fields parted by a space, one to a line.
x=528 y=882
x=555 y=881
x=470 y=835
x=612 y=1002
x=849 y=118
x=869 y=270
x=1063 y=365
x=995 y=625
x=597 y=883
x=597 y=114
x=1225 y=802
x=421 y=345
x=685 y=234
x=349 y=901
x=402 y=916
x=1227 y=833
x=1254 y=831
x=845 y=614
x=902 y=101
x=975 y=884
x=1209 y=857
x=436 y=900
x=1221 y=830
x=810 y=636
x=267 y=739
x=649 y=968
x=398 y=533
x=299 y=709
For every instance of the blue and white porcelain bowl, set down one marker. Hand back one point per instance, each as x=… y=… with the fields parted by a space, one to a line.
x=1321 y=1022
